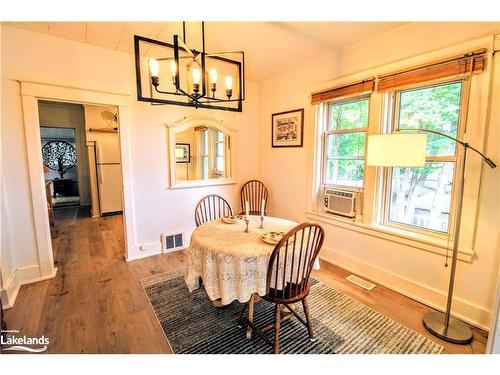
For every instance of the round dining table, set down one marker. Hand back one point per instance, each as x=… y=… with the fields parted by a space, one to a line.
x=232 y=263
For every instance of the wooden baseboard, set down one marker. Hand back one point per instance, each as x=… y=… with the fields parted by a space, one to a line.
x=21 y=276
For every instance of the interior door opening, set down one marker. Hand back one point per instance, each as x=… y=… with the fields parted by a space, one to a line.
x=81 y=158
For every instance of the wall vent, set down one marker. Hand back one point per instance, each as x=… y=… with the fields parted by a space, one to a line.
x=360 y=282
x=173 y=241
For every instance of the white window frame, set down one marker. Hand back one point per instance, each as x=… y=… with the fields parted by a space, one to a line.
x=393 y=98
x=203 y=146
x=477 y=106
x=327 y=132
x=217 y=142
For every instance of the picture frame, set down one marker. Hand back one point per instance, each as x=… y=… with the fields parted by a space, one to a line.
x=287 y=128
x=182 y=153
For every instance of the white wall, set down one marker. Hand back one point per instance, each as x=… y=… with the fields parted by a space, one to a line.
x=6 y=261
x=2 y=237
x=411 y=271
x=41 y=58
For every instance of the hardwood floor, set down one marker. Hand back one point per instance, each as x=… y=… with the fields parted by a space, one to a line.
x=96 y=304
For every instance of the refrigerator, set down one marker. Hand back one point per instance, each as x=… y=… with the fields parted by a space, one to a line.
x=109 y=175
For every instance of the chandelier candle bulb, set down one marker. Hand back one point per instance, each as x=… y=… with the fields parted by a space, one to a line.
x=154 y=67
x=213 y=75
x=213 y=81
x=229 y=83
x=196 y=80
x=173 y=70
x=229 y=86
x=196 y=75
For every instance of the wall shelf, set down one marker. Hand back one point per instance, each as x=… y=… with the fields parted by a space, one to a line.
x=104 y=130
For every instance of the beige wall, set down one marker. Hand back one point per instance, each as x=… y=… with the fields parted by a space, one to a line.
x=72 y=64
x=412 y=271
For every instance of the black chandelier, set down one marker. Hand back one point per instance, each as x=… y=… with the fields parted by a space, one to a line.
x=179 y=75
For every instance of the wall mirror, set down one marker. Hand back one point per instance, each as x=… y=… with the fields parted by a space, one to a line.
x=201 y=153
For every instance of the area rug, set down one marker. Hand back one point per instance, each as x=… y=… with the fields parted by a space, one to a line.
x=342 y=325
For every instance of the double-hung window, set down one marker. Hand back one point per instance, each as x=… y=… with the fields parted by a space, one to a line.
x=345 y=143
x=203 y=151
x=219 y=153
x=422 y=197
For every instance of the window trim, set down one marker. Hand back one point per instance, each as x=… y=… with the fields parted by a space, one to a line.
x=478 y=106
x=391 y=125
x=204 y=144
x=216 y=142
x=422 y=241
x=326 y=131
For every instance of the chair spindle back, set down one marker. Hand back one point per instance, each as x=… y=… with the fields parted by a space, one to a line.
x=293 y=259
x=254 y=191
x=210 y=208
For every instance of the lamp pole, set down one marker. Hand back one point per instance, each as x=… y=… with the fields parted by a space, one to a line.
x=443 y=325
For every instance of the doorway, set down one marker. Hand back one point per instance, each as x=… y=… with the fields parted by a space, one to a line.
x=34 y=92
x=65 y=165
x=80 y=149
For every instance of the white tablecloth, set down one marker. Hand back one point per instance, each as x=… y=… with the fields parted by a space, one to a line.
x=233 y=264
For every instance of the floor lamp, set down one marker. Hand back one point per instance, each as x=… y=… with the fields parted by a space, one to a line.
x=401 y=149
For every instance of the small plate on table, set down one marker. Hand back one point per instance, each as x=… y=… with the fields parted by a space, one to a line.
x=272 y=238
x=233 y=219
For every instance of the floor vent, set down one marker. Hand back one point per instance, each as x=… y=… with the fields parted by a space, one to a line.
x=361 y=282
x=173 y=241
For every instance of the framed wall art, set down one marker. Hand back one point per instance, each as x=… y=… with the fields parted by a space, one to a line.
x=182 y=153
x=288 y=128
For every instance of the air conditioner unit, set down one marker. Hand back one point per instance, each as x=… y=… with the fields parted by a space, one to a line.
x=340 y=202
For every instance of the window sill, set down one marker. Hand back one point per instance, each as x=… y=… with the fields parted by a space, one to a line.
x=416 y=240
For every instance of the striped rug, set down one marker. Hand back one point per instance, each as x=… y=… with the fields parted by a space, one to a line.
x=192 y=325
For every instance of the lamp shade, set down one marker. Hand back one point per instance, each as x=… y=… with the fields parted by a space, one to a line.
x=397 y=150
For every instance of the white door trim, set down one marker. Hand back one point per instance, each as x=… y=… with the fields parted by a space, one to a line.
x=31 y=92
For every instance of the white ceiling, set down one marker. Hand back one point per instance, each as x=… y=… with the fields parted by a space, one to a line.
x=270 y=47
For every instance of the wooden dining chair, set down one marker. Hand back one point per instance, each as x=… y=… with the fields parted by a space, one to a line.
x=254 y=191
x=210 y=208
x=287 y=282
